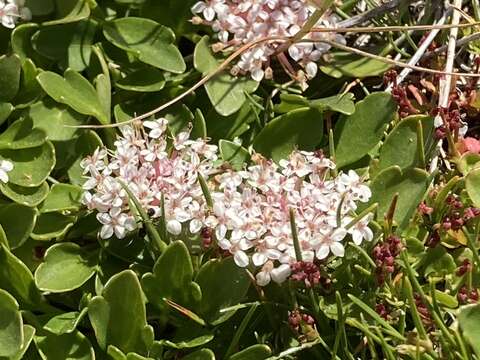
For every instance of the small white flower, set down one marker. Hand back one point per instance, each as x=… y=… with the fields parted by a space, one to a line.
x=361 y=231
x=269 y=272
x=5 y=167
x=157 y=127
x=115 y=222
x=331 y=242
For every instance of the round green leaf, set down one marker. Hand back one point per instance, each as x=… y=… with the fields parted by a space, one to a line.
x=70 y=11
x=31 y=167
x=118 y=316
x=226 y=92
x=62 y=197
x=411 y=186
x=302 y=129
x=11 y=325
x=66 y=267
x=5 y=111
x=54 y=119
x=151 y=42
x=22 y=135
x=10 y=67
x=143 y=80
x=172 y=278
x=401 y=145
x=360 y=132
x=472 y=183
x=203 y=354
x=52 y=226
x=16 y=278
x=235 y=283
x=17 y=222
x=254 y=352
x=236 y=155
x=469 y=322
x=69 y=44
x=347 y=64
x=28 y=196
x=75 y=91
x=74 y=346
x=468 y=162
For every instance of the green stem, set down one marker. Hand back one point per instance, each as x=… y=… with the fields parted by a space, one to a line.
x=413 y=309
x=296 y=242
x=151 y=229
x=205 y=190
x=436 y=316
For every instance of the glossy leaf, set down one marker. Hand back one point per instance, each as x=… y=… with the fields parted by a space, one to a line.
x=70 y=11
x=51 y=226
x=203 y=354
x=354 y=66
x=143 y=80
x=302 y=129
x=68 y=44
x=172 y=278
x=472 y=183
x=226 y=92
x=17 y=279
x=28 y=196
x=254 y=352
x=10 y=67
x=235 y=283
x=11 y=329
x=74 y=346
x=401 y=145
x=5 y=111
x=65 y=323
x=360 y=132
x=18 y=222
x=22 y=135
x=236 y=155
x=62 y=197
x=469 y=322
x=118 y=316
x=151 y=42
x=66 y=267
x=75 y=91
x=411 y=185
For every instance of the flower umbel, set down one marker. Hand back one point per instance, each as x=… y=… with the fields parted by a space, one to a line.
x=248 y=214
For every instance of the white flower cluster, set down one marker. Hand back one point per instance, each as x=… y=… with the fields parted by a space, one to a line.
x=13 y=10
x=252 y=213
x=239 y=22
x=250 y=216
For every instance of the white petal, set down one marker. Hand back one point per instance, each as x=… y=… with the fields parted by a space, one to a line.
x=209 y=13
x=337 y=249
x=3 y=176
x=323 y=252
x=6 y=165
x=106 y=232
x=281 y=273
x=174 y=227
x=259 y=259
x=311 y=69
x=241 y=259
x=263 y=278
